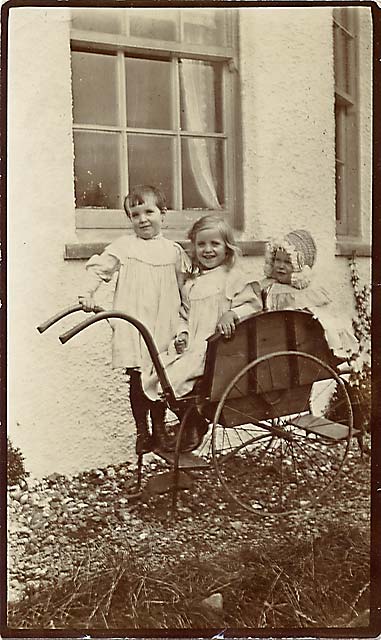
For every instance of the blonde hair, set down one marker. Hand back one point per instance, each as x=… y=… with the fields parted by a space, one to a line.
x=226 y=232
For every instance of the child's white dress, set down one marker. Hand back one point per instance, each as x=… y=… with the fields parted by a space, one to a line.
x=147 y=288
x=205 y=298
x=338 y=333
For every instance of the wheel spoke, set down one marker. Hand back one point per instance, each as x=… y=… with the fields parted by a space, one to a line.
x=248 y=417
x=301 y=464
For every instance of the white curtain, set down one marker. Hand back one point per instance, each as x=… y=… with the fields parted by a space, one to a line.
x=196 y=104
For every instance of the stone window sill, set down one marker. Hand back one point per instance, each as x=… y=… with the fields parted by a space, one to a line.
x=349 y=246
x=84 y=250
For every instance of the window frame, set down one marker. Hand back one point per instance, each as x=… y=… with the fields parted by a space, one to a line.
x=347 y=129
x=94 y=223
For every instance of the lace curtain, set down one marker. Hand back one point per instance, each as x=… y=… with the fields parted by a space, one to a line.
x=196 y=102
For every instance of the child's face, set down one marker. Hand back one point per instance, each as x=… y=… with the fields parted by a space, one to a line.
x=282 y=267
x=210 y=248
x=146 y=218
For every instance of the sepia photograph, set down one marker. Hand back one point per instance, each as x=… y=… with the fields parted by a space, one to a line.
x=189 y=213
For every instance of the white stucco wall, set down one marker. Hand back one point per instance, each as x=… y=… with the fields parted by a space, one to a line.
x=67 y=409
x=287 y=86
x=66 y=406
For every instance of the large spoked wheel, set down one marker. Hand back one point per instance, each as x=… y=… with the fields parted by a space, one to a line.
x=281 y=433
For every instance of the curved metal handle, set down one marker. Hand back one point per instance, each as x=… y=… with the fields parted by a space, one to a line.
x=62 y=314
x=147 y=337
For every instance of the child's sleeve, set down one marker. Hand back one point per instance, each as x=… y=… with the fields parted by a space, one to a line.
x=100 y=268
x=243 y=295
x=183 y=265
x=246 y=302
x=183 y=324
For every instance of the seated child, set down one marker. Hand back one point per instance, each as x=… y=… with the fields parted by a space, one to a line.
x=289 y=285
x=214 y=298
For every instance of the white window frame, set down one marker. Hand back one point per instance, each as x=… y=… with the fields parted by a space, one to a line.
x=178 y=219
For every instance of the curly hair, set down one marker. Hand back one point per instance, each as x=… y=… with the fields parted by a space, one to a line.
x=226 y=232
x=138 y=194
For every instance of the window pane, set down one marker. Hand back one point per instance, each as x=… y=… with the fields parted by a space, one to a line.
x=96 y=170
x=153 y=23
x=102 y=20
x=341 y=134
x=343 y=51
x=151 y=161
x=148 y=93
x=340 y=131
x=202 y=173
x=200 y=96
x=340 y=194
x=94 y=88
x=204 y=26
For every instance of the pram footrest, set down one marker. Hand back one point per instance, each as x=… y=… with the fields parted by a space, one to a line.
x=186 y=460
x=323 y=427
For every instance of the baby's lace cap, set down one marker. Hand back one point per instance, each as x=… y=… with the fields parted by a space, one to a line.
x=299 y=246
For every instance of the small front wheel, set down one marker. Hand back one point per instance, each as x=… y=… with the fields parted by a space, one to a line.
x=281 y=433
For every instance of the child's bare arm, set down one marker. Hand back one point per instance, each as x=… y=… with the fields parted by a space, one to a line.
x=227 y=322
x=87 y=302
x=98 y=269
x=244 y=303
x=182 y=335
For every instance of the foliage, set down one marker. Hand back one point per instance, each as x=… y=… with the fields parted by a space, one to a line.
x=362 y=323
x=16 y=472
x=360 y=378
x=359 y=382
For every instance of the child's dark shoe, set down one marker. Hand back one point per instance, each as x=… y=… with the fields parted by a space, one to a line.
x=192 y=438
x=160 y=438
x=202 y=427
x=144 y=442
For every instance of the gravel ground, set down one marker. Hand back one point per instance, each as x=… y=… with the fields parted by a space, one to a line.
x=55 y=521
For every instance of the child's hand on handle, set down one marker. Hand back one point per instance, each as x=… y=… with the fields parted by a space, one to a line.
x=226 y=324
x=181 y=342
x=87 y=302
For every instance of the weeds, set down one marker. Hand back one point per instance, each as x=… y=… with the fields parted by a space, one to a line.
x=320 y=582
x=360 y=382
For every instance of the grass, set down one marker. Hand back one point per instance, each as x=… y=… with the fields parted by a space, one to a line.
x=322 y=581
x=153 y=570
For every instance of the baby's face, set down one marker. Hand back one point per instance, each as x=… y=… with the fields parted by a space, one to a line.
x=282 y=267
x=146 y=218
x=210 y=248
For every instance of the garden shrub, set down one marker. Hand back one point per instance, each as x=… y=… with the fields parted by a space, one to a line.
x=359 y=382
x=16 y=472
x=360 y=379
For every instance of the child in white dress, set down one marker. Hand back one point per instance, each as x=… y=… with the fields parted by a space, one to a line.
x=289 y=285
x=216 y=296
x=151 y=272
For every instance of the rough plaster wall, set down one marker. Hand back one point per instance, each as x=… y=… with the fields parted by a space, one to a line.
x=68 y=408
x=287 y=104
x=287 y=94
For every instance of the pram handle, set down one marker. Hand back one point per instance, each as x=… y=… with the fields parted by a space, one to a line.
x=62 y=314
x=147 y=337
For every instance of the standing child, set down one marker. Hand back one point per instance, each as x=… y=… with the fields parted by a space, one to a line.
x=215 y=297
x=151 y=271
x=289 y=285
